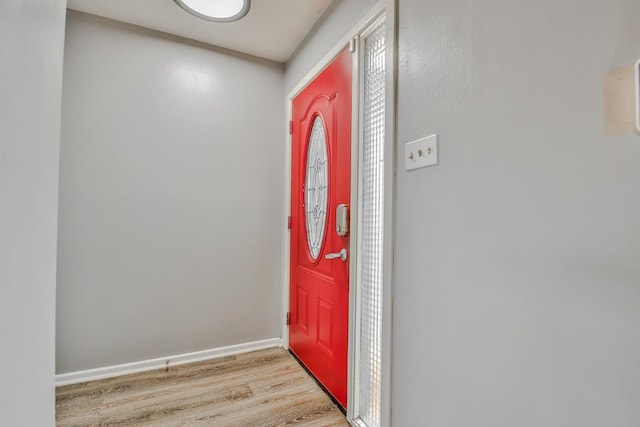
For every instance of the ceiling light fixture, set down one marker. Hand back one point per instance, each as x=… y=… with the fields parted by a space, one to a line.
x=216 y=10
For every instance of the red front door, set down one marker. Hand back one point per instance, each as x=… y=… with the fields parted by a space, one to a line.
x=320 y=181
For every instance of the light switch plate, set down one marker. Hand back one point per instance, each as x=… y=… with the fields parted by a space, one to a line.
x=421 y=153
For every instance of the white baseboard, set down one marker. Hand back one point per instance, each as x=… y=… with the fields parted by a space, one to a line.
x=163 y=362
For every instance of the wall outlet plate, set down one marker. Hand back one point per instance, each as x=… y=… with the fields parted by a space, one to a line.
x=421 y=153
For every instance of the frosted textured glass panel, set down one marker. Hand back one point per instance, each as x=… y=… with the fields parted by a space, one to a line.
x=316 y=187
x=372 y=229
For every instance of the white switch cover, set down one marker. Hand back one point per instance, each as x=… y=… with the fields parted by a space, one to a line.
x=421 y=153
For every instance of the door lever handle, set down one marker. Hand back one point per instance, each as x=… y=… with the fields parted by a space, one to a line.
x=342 y=255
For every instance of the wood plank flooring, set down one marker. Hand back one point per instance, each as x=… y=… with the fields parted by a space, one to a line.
x=261 y=389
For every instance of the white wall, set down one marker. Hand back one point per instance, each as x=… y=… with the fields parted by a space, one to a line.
x=336 y=22
x=170 y=197
x=31 y=48
x=517 y=277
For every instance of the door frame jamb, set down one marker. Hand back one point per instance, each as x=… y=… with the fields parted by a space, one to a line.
x=381 y=8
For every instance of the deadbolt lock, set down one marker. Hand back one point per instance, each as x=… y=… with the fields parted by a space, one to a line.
x=342 y=220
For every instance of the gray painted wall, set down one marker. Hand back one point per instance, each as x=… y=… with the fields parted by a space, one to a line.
x=335 y=24
x=170 y=197
x=517 y=281
x=31 y=48
x=517 y=277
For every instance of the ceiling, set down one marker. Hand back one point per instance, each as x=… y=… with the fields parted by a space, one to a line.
x=272 y=29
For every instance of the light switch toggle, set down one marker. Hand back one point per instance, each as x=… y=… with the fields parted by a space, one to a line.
x=421 y=153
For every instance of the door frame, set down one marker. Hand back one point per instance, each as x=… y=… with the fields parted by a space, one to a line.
x=386 y=8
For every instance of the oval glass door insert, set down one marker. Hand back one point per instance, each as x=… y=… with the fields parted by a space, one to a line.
x=316 y=188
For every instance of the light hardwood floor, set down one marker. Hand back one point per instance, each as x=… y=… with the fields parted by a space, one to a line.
x=261 y=389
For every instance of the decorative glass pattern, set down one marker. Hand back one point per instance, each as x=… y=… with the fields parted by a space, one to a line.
x=372 y=229
x=316 y=187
